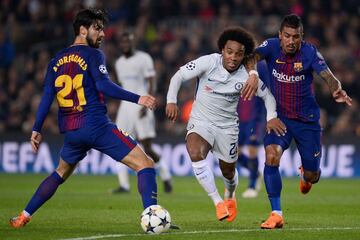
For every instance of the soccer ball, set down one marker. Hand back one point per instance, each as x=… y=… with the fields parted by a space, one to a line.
x=155 y=219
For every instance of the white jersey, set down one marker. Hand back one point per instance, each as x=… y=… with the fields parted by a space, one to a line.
x=132 y=72
x=217 y=92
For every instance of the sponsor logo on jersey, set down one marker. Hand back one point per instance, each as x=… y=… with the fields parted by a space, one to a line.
x=281 y=77
x=102 y=69
x=298 y=66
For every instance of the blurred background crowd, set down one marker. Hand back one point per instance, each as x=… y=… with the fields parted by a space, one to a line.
x=173 y=32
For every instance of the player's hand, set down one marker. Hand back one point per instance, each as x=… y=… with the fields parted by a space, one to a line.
x=277 y=126
x=341 y=96
x=147 y=101
x=35 y=141
x=250 y=88
x=142 y=112
x=172 y=111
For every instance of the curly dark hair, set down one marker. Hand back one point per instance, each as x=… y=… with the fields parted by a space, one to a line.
x=239 y=35
x=88 y=16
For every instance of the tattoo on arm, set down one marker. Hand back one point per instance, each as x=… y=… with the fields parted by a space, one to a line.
x=330 y=79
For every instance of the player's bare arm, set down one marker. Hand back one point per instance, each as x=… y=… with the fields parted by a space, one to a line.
x=334 y=84
x=147 y=101
x=35 y=140
x=172 y=111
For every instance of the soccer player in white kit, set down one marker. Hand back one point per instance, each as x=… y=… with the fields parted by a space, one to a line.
x=213 y=124
x=135 y=72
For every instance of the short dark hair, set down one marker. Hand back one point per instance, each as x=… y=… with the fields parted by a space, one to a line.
x=291 y=20
x=88 y=16
x=239 y=35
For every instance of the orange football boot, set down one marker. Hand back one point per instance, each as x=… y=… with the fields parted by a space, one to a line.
x=304 y=186
x=274 y=221
x=19 y=221
x=222 y=211
x=232 y=208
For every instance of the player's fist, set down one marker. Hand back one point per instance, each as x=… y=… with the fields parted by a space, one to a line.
x=147 y=101
x=276 y=125
x=172 y=111
x=35 y=141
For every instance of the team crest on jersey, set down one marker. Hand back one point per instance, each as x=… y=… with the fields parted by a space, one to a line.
x=102 y=69
x=298 y=66
x=264 y=44
x=238 y=86
x=190 y=66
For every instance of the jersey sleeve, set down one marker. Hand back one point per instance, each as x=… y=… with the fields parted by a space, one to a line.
x=269 y=100
x=196 y=67
x=318 y=63
x=97 y=66
x=104 y=84
x=149 y=70
x=264 y=49
x=46 y=99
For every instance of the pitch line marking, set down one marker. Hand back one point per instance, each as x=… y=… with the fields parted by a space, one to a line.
x=210 y=231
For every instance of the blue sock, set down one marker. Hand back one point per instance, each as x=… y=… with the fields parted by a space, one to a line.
x=273 y=185
x=253 y=166
x=147 y=186
x=44 y=192
x=243 y=160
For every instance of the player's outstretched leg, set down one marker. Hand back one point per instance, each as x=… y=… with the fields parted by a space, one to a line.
x=44 y=192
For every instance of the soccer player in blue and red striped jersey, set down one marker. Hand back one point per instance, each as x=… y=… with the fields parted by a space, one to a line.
x=78 y=78
x=291 y=63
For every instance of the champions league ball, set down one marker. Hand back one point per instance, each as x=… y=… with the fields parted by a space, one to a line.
x=155 y=219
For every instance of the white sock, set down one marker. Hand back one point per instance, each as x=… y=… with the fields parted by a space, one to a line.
x=230 y=185
x=278 y=212
x=26 y=214
x=164 y=171
x=205 y=177
x=123 y=176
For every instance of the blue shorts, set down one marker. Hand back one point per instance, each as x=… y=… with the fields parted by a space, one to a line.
x=105 y=138
x=307 y=138
x=250 y=133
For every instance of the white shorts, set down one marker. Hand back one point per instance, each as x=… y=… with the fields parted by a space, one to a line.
x=128 y=119
x=222 y=140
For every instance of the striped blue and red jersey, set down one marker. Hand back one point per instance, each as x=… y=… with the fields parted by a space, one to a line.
x=71 y=77
x=291 y=78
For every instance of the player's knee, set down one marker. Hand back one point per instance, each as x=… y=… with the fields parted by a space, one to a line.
x=312 y=177
x=272 y=157
x=195 y=154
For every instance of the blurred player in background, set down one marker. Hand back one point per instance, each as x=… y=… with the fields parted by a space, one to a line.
x=78 y=78
x=251 y=132
x=291 y=63
x=213 y=124
x=135 y=72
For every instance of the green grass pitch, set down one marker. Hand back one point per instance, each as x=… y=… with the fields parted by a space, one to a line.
x=84 y=209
